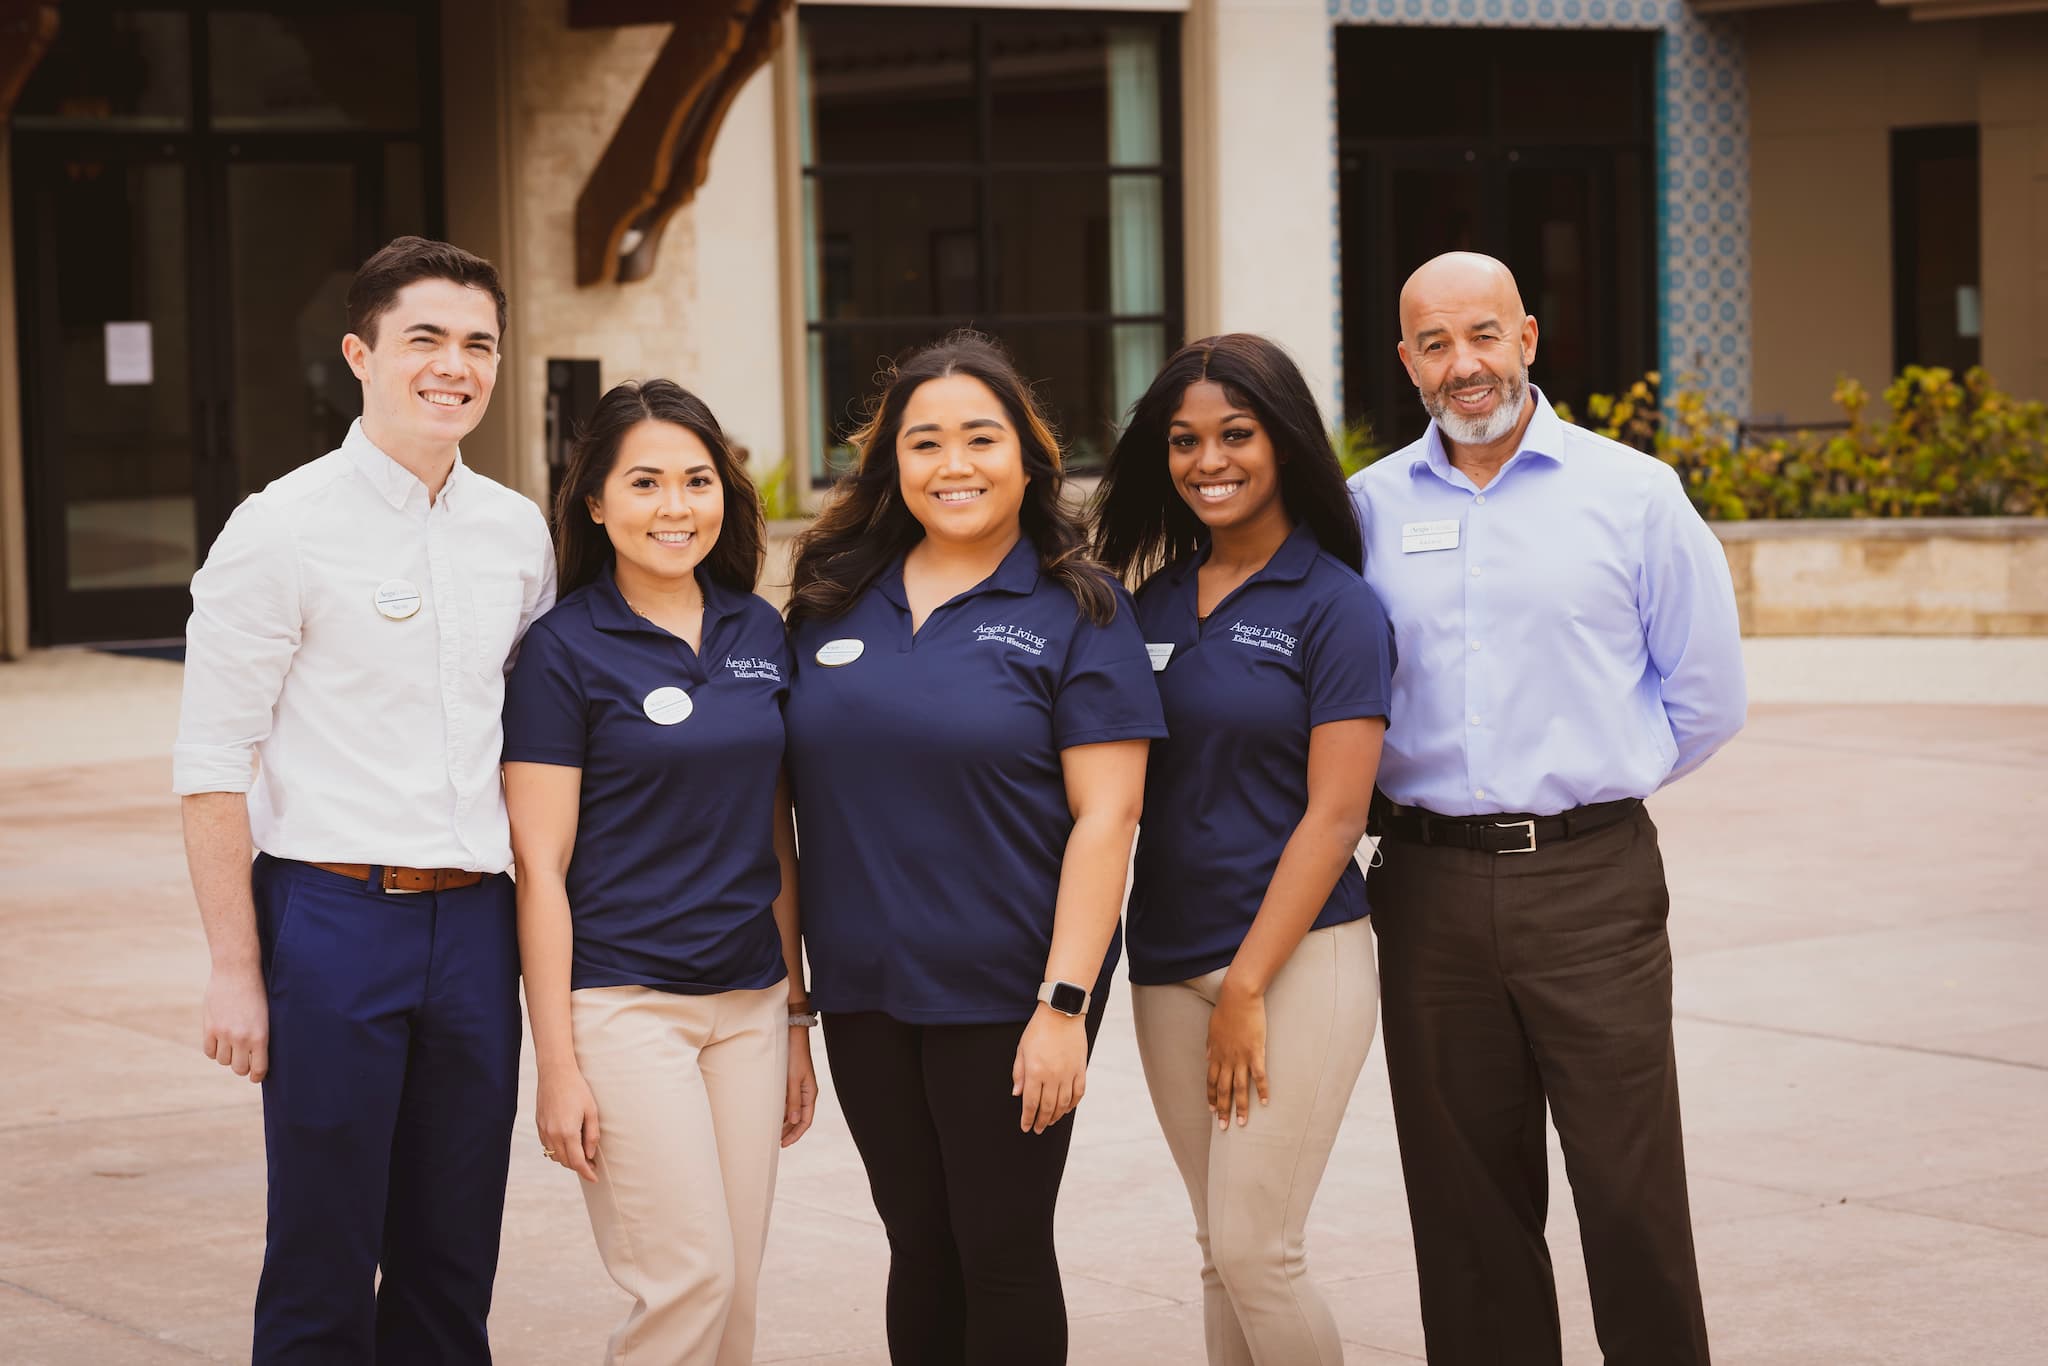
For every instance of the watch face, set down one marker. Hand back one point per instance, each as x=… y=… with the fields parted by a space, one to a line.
x=1068 y=999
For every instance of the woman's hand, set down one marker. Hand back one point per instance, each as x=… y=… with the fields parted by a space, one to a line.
x=1237 y=1053
x=802 y=1100
x=1051 y=1070
x=566 y=1114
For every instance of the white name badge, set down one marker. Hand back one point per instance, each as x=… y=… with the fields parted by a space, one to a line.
x=397 y=599
x=667 y=706
x=1429 y=536
x=834 y=653
x=1160 y=654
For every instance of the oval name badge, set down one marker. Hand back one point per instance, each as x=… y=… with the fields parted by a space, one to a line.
x=1160 y=653
x=397 y=599
x=667 y=706
x=834 y=653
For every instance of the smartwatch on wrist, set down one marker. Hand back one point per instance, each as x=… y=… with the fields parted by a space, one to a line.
x=1064 y=997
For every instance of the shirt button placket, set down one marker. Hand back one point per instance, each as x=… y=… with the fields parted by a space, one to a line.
x=1478 y=698
x=453 y=621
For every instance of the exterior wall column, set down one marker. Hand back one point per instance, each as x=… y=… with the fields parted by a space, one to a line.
x=1260 y=154
x=13 y=487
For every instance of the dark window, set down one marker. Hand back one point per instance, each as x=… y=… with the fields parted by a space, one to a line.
x=1937 y=309
x=1013 y=172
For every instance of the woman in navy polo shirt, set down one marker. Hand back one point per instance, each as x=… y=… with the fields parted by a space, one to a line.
x=1251 y=966
x=968 y=722
x=657 y=887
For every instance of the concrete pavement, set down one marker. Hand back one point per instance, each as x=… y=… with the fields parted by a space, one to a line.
x=1861 y=921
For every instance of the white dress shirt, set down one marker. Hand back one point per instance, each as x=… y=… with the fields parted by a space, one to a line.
x=1566 y=635
x=378 y=738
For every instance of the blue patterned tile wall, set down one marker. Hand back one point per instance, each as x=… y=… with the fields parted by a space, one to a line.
x=1702 y=167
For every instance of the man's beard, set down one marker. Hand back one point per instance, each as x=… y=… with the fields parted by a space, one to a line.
x=1479 y=431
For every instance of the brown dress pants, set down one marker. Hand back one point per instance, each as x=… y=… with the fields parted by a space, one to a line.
x=1509 y=981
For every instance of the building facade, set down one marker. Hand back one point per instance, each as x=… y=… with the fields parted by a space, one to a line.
x=1752 y=198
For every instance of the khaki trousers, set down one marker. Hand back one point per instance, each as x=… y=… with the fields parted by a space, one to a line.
x=1251 y=1186
x=690 y=1093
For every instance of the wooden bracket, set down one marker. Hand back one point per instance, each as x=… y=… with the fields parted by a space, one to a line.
x=661 y=150
x=27 y=28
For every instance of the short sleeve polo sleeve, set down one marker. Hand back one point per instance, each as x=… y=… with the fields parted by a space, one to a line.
x=1106 y=691
x=546 y=704
x=1348 y=666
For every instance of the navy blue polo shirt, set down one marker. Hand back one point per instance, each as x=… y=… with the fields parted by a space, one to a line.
x=1299 y=643
x=673 y=878
x=931 y=810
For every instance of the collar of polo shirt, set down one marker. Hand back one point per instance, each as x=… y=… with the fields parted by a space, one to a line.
x=1545 y=439
x=1289 y=564
x=610 y=612
x=1018 y=574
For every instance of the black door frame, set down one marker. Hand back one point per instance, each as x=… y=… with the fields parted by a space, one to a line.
x=59 y=614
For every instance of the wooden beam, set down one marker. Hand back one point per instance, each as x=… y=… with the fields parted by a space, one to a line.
x=1925 y=10
x=661 y=150
x=27 y=28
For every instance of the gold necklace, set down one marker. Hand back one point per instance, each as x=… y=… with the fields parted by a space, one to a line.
x=697 y=606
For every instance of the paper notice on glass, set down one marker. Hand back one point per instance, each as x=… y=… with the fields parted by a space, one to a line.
x=129 y=359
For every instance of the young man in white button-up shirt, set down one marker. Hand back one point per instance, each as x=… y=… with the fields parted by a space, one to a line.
x=344 y=677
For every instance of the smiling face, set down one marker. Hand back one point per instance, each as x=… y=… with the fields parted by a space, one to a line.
x=428 y=376
x=662 y=504
x=1222 y=461
x=1467 y=345
x=959 y=465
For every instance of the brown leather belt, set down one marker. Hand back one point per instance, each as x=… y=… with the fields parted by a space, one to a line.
x=387 y=879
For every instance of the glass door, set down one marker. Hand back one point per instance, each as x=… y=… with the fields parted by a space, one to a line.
x=195 y=185
x=115 y=423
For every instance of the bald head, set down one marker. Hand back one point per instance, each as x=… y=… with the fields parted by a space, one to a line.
x=1467 y=343
x=1461 y=282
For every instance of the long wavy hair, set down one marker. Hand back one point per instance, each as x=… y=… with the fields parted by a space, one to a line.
x=864 y=526
x=1140 y=520
x=582 y=547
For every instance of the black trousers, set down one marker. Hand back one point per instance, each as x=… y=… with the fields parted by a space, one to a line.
x=966 y=1196
x=1509 y=981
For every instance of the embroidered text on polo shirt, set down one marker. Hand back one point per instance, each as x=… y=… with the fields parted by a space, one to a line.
x=754 y=668
x=1013 y=635
x=1264 y=637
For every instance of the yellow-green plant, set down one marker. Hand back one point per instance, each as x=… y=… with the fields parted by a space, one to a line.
x=1943 y=447
x=1354 y=446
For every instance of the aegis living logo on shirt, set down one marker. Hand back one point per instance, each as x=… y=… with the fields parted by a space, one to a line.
x=1012 y=635
x=1262 y=638
x=764 y=669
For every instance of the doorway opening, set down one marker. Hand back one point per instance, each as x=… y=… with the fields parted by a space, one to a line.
x=194 y=186
x=1533 y=146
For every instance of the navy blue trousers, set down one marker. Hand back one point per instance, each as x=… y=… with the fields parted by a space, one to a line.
x=387 y=1116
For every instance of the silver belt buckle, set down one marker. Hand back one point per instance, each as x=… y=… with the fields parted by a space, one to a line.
x=1528 y=825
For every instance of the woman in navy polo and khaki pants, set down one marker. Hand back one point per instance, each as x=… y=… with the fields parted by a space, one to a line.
x=1251 y=964
x=657 y=888
x=967 y=731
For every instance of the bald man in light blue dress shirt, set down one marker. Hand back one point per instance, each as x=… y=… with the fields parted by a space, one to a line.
x=1568 y=645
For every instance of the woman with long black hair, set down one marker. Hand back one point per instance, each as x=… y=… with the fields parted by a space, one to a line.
x=968 y=721
x=1251 y=963
x=657 y=878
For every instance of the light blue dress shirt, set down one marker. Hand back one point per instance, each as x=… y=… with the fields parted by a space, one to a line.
x=1577 y=644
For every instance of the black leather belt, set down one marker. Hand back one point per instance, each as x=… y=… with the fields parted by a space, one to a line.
x=1494 y=834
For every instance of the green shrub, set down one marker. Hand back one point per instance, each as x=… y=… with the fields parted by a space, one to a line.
x=1943 y=448
x=1354 y=446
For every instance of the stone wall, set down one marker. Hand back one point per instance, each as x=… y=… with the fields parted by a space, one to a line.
x=708 y=315
x=1933 y=577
